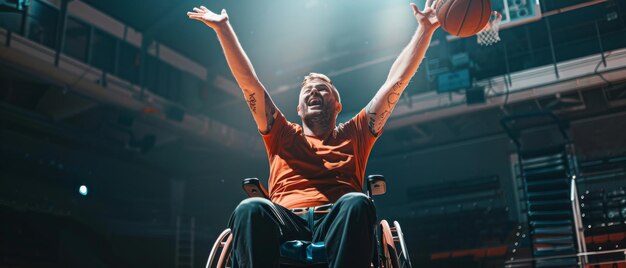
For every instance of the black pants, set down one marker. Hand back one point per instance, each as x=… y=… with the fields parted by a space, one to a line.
x=260 y=226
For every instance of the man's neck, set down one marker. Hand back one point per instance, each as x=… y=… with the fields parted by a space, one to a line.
x=318 y=128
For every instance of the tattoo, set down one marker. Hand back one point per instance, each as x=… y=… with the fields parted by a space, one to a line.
x=252 y=102
x=394 y=95
x=392 y=99
x=371 y=122
x=380 y=122
x=377 y=120
x=397 y=86
x=270 y=110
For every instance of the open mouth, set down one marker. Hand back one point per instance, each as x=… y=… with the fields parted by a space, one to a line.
x=314 y=102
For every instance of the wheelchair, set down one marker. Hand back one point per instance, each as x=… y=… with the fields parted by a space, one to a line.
x=391 y=250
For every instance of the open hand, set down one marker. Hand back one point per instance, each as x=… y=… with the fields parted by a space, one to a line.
x=209 y=18
x=427 y=18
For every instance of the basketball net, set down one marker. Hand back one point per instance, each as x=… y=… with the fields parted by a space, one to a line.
x=490 y=35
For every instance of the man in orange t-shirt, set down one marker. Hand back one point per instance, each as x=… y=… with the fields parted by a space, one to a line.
x=316 y=163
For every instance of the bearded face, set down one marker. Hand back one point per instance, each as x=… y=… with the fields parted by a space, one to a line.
x=318 y=102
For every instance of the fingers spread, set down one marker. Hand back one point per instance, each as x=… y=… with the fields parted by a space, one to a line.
x=497 y=15
x=204 y=8
x=415 y=9
x=435 y=4
x=428 y=4
x=197 y=10
x=194 y=15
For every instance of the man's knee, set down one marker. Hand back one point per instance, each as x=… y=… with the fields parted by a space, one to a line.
x=253 y=205
x=356 y=200
x=254 y=209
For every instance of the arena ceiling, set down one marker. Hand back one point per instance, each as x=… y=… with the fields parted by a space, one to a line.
x=357 y=43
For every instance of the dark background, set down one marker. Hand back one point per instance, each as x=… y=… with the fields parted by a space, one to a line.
x=151 y=176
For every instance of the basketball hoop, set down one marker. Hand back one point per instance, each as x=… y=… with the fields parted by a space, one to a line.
x=490 y=35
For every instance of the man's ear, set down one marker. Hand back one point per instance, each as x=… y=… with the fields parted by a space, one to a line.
x=339 y=106
x=298 y=110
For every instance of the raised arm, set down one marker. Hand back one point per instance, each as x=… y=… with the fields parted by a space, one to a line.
x=261 y=105
x=380 y=107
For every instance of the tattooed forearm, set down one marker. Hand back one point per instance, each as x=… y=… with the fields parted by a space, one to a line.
x=252 y=102
x=399 y=86
x=392 y=99
x=378 y=113
x=394 y=94
x=270 y=111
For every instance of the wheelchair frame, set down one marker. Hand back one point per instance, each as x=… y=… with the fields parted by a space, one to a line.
x=391 y=247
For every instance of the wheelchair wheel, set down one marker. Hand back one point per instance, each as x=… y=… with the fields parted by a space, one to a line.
x=392 y=240
x=220 y=256
x=389 y=254
x=403 y=256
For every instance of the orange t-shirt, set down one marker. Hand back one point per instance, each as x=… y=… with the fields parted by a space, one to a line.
x=306 y=171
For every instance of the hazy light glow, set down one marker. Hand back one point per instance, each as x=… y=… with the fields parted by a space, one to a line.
x=82 y=190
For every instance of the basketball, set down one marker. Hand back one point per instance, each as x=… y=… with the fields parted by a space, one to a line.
x=463 y=17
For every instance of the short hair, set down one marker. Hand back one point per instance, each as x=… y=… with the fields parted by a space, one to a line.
x=312 y=76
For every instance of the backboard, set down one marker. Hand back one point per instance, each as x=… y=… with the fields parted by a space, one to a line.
x=513 y=12
x=516 y=12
